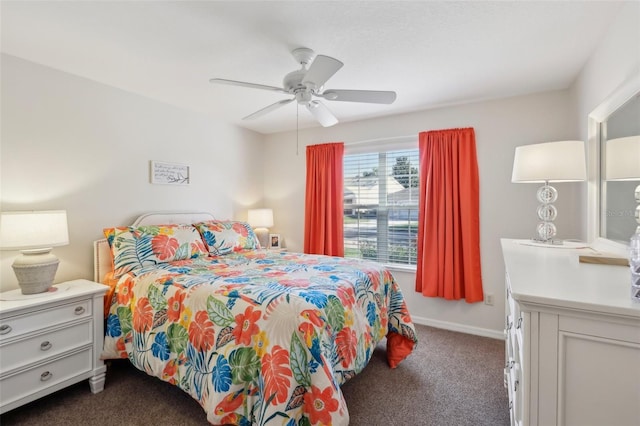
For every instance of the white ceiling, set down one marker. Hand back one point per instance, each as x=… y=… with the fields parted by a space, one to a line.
x=432 y=53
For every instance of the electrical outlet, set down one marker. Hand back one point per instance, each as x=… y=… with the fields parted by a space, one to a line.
x=488 y=299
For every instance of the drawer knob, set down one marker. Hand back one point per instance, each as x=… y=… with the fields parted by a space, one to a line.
x=46 y=376
x=45 y=346
x=79 y=310
x=5 y=329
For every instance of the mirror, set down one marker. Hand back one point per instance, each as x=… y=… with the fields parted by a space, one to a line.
x=612 y=204
x=617 y=199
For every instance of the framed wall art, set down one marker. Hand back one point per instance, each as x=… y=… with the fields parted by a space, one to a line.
x=169 y=173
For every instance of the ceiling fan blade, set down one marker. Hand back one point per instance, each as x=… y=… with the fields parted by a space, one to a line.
x=267 y=109
x=322 y=114
x=245 y=84
x=322 y=69
x=370 y=96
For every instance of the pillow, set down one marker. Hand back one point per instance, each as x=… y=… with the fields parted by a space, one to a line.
x=224 y=237
x=135 y=247
x=111 y=282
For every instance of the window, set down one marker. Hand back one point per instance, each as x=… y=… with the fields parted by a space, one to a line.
x=381 y=206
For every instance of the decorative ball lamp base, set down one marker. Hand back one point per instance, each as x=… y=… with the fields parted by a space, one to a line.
x=35 y=270
x=547 y=213
x=263 y=237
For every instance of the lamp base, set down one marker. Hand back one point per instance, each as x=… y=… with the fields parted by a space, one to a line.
x=263 y=237
x=35 y=271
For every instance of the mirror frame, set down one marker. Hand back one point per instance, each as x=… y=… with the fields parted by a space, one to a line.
x=600 y=114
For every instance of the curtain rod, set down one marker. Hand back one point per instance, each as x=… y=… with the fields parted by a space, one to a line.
x=390 y=139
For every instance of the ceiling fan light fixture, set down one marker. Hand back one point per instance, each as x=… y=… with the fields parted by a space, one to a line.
x=308 y=82
x=322 y=114
x=303 y=97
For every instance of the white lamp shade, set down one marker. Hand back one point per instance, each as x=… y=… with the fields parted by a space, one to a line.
x=33 y=229
x=623 y=158
x=562 y=161
x=261 y=218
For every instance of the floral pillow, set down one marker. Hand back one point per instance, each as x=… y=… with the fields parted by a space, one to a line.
x=224 y=237
x=135 y=247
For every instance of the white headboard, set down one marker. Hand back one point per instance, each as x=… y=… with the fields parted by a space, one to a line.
x=102 y=262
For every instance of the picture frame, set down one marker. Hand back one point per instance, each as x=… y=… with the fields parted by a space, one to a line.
x=169 y=173
x=275 y=241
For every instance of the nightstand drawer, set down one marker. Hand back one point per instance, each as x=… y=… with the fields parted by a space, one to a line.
x=44 y=376
x=45 y=345
x=31 y=321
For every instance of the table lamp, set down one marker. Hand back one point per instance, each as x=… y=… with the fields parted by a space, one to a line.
x=562 y=161
x=34 y=233
x=260 y=220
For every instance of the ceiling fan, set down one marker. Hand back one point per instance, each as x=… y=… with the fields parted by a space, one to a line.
x=306 y=84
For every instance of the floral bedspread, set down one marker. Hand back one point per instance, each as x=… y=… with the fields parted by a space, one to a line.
x=259 y=337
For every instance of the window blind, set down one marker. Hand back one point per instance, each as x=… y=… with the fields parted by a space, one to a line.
x=381 y=205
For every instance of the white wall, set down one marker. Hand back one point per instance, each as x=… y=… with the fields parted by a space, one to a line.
x=507 y=210
x=71 y=143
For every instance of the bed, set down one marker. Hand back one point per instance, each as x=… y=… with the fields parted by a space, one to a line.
x=257 y=337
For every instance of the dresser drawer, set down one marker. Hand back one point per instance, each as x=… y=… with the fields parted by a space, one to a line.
x=44 y=376
x=45 y=345
x=21 y=324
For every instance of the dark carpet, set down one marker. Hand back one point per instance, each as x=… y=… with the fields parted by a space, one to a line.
x=450 y=379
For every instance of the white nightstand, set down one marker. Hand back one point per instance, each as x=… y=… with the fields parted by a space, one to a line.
x=277 y=250
x=49 y=341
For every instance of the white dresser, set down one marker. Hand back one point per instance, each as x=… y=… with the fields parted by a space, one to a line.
x=573 y=339
x=49 y=341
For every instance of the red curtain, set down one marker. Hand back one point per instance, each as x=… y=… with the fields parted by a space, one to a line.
x=449 y=216
x=324 y=210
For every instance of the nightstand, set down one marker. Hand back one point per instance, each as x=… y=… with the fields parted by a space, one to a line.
x=277 y=250
x=50 y=340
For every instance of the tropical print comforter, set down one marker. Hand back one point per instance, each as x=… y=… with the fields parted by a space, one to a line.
x=257 y=337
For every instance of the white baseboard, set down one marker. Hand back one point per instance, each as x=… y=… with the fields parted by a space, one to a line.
x=485 y=332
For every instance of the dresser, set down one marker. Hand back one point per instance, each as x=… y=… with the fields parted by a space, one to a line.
x=49 y=341
x=572 y=339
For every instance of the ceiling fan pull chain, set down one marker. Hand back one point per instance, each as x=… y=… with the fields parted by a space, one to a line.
x=297 y=131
